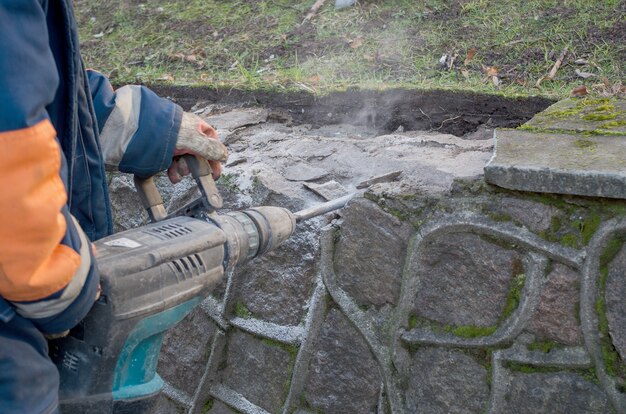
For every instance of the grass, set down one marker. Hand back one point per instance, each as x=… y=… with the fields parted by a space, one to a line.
x=396 y=43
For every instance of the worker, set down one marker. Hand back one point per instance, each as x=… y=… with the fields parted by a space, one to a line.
x=60 y=126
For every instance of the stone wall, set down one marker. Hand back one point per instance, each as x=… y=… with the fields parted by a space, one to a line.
x=468 y=298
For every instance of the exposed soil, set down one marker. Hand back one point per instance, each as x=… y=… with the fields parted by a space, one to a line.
x=448 y=112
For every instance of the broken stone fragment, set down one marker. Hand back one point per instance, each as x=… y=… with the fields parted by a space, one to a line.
x=328 y=190
x=304 y=172
x=226 y=124
x=341 y=4
x=236 y=161
x=385 y=178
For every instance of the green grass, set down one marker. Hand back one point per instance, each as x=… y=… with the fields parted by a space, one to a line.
x=396 y=43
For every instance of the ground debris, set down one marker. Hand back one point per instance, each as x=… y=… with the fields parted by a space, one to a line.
x=554 y=69
x=313 y=11
x=385 y=178
x=329 y=190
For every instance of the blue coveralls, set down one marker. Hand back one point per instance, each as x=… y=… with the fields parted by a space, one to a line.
x=51 y=168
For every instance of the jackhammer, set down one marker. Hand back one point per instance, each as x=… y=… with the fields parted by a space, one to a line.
x=151 y=278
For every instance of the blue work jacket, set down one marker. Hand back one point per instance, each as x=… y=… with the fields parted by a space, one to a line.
x=51 y=113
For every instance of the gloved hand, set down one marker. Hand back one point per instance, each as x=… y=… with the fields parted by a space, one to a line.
x=198 y=138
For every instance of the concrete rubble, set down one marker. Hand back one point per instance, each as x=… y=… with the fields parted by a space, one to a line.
x=443 y=287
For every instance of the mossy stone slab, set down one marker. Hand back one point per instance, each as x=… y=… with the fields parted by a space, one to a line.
x=587 y=165
x=595 y=115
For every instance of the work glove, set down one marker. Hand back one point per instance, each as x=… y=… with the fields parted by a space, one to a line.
x=198 y=138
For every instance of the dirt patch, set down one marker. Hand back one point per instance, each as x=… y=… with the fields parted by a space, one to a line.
x=447 y=112
x=302 y=42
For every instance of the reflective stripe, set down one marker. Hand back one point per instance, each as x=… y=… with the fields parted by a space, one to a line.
x=33 y=265
x=46 y=308
x=121 y=125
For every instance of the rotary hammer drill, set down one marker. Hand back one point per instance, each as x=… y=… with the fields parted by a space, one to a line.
x=151 y=278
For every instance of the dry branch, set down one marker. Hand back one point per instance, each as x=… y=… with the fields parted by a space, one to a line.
x=555 y=68
x=311 y=14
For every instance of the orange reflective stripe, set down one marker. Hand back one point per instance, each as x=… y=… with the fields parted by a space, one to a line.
x=33 y=264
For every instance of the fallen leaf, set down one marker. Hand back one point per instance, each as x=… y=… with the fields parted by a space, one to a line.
x=465 y=74
x=470 y=56
x=314 y=79
x=490 y=71
x=582 y=74
x=579 y=91
x=581 y=61
x=356 y=42
x=496 y=81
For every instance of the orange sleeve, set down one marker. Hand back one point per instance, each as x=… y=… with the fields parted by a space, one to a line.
x=33 y=263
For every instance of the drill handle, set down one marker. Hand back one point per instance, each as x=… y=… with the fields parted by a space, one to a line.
x=201 y=172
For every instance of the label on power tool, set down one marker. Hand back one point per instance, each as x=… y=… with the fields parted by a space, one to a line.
x=123 y=242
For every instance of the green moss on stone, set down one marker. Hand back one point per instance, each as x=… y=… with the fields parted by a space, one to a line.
x=588 y=374
x=613 y=364
x=589 y=101
x=293 y=353
x=604 y=108
x=575 y=107
x=500 y=217
x=472 y=331
x=514 y=296
x=586 y=144
x=292 y=349
x=603 y=132
x=612 y=124
x=380 y=201
x=304 y=404
x=562 y=114
x=548 y=236
x=550 y=200
x=208 y=405
x=544 y=346
x=569 y=240
x=594 y=132
x=610 y=251
x=483 y=356
x=242 y=311
x=599 y=117
x=589 y=227
x=464 y=331
x=229 y=182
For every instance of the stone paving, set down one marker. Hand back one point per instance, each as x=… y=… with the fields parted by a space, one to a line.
x=449 y=296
